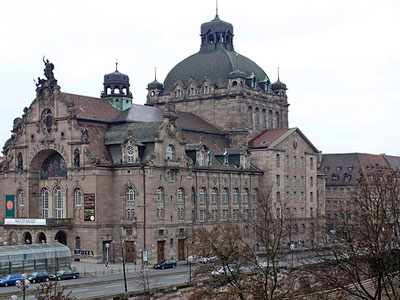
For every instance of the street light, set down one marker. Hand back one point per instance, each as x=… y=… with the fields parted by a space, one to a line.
x=23 y=285
x=107 y=248
x=292 y=248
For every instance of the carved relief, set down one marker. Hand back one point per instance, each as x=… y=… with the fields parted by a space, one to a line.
x=93 y=159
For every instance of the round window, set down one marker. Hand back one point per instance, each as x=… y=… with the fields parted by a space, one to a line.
x=47 y=121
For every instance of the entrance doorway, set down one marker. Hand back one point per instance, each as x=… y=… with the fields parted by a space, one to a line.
x=41 y=238
x=130 y=251
x=181 y=249
x=61 y=237
x=160 y=250
x=27 y=238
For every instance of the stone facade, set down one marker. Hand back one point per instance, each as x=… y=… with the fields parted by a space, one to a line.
x=101 y=172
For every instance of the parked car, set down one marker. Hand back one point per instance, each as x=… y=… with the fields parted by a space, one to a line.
x=207 y=259
x=10 y=279
x=64 y=274
x=166 y=263
x=38 y=277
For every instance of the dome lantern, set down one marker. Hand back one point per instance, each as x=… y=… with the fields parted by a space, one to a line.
x=216 y=33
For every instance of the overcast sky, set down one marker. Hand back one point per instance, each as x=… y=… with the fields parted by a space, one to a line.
x=339 y=59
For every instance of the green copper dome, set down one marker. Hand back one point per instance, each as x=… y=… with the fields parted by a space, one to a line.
x=215 y=65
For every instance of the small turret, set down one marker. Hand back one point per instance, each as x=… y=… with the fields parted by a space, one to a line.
x=279 y=87
x=116 y=90
x=154 y=89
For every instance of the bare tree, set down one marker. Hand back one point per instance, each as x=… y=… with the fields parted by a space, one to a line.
x=52 y=291
x=362 y=257
x=245 y=261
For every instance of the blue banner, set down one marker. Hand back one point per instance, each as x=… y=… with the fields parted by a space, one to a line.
x=10 y=206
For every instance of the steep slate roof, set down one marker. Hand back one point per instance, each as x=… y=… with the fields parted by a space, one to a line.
x=91 y=108
x=350 y=163
x=215 y=64
x=140 y=113
x=394 y=161
x=142 y=132
x=271 y=138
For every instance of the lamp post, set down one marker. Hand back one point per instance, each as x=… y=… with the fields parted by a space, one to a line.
x=292 y=248
x=107 y=249
x=23 y=285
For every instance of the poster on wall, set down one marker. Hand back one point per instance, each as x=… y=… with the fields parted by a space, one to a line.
x=10 y=206
x=89 y=207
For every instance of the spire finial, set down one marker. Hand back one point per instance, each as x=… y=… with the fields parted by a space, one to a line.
x=216 y=8
x=155 y=73
x=116 y=64
x=278 y=73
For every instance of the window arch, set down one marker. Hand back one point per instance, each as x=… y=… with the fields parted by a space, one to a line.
x=170 y=152
x=45 y=203
x=58 y=203
x=270 y=119
x=202 y=195
x=201 y=158
x=225 y=195
x=130 y=154
x=78 y=197
x=235 y=198
x=77 y=159
x=214 y=195
x=181 y=195
x=255 y=196
x=20 y=161
x=257 y=117
x=20 y=196
x=246 y=196
x=277 y=121
x=77 y=242
x=264 y=118
x=160 y=194
x=250 y=116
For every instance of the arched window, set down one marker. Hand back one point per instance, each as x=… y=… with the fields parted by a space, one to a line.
x=130 y=195
x=181 y=195
x=264 y=118
x=77 y=159
x=225 y=195
x=257 y=117
x=235 y=198
x=160 y=194
x=20 y=161
x=77 y=242
x=211 y=39
x=270 y=119
x=250 y=116
x=130 y=154
x=45 y=203
x=245 y=196
x=274 y=124
x=78 y=197
x=170 y=153
x=202 y=195
x=20 y=196
x=277 y=121
x=255 y=196
x=201 y=158
x=234 y=83
x=58 y=203
x=214 y=195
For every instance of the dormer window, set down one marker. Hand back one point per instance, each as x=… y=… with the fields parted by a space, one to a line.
x=335 y=177
x=170 y=152
x=130 y=155
x=178 y=93
x=192 y=92
x=206 y=90
x=201 y=158
x=244 y=162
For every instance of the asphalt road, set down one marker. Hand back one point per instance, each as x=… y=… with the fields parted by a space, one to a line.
x=108 y=285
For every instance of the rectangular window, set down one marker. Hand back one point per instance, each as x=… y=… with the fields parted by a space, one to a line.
x=302 y=181
x=302 y=212
x=311 y=163
x=287 y=197
x=254 y=213
x=311 y=181
x=287 y=161
x=214 y=215
x=328 y=191
x=287 y=212
x=294 y=212
x=342 y=191
x=287 y=181
x=245 y=214
x=235 y=214
x=294 y=181
x=334 y=191
x=302 y=162
x=311 y=197
x=311 y=212
x=294 y=196
x=294 y=162
x=202 y=216
x=302 y=197
x=278 y=161
x=224 y=215
x=278 y=180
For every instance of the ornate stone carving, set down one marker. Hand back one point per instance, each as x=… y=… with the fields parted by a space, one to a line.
x=94 y=159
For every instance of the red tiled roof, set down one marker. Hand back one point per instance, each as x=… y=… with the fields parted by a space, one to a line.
x=266 y=138
x=91 y=108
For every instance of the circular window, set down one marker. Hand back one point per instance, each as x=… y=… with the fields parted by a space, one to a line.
x=47 y=121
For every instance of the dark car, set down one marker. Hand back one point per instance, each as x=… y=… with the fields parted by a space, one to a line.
x=164 y=264
x=64 y=274
x=38 y=277
x=10 y=279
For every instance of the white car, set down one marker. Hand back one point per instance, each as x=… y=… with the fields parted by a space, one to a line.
x=208 y=259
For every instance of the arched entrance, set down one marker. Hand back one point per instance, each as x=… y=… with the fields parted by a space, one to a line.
x=61 y=237
x=27 y=238
x=41 y=238
x=12 y=238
